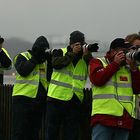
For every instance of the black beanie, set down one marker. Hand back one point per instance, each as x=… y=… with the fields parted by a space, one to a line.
x=42 y=42
x=1 y=40
x=119 y=43
x=77 y=36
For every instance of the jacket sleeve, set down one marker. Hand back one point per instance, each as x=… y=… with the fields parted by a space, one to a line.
x=49 y=68
x=5 y=61
x=98 y=74
x=23 y=66
x=135 y=81
x=59 y=61
x=87 y=58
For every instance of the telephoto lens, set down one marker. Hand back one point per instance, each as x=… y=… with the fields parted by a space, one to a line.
x=91 y=47
x=134 y=55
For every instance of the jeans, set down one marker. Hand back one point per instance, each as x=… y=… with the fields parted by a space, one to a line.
x=62 y=121
x=100 y=132
x=26 y=120
x=135 y=132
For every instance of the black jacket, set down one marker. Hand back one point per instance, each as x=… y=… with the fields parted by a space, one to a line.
x=24 y=67
x=5 y=62
x=59 y=61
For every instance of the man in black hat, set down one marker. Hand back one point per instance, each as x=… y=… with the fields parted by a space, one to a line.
x=30 y=90
x=115 y=79
x=65 y=94
x=5 y=60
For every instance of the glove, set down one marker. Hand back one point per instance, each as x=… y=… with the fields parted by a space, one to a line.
x=39 y=60
x=39 y=49
x=38 y=54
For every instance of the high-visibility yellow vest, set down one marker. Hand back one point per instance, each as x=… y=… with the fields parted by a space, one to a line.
x=1 y=68
x=68 y=80
x=28 y=86
x=115 y=96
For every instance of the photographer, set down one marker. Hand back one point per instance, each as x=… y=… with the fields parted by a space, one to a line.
x=5 y=60
x=134 y=40
x=113 y=86
x=65 y=95
x=30 y=90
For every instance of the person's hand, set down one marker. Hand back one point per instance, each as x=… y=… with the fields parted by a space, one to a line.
x=85 y=50
x=132 y=64
x=38 y=54
x=119 y=57
x=38 y=60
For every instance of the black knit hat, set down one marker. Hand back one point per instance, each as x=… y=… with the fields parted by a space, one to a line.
x=42 y=42
x=77 y=36
x=1 y=40
x=119 y=43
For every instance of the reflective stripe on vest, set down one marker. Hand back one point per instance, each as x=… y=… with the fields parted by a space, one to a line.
x=115 y=95
x=68 y=80
x=6 y=53
x=111 y=96
x=28 y=86
x=26 y=81
x=113 y=83
x=77 y=77
x=66 y=85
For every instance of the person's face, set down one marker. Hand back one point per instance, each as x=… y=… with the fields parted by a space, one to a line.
x=77 y=44
x=136 y=42
x=135 y=45
x=115 y=51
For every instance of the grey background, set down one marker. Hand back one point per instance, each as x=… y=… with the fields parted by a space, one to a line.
x=98 y=19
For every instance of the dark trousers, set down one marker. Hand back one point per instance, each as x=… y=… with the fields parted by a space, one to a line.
x=26 y=120
x=135 y=133
x=101 y=132
x=63 y=120
x=1 y=79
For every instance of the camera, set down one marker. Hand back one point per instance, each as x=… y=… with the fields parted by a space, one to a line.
x=133 y=55
x=48 y=51
x=91 y=47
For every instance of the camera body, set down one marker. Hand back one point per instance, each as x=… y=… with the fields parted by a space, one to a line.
x=133 y=55
x=91 y=47
x=48 y=51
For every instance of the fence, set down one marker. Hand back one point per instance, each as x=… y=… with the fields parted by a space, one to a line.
x=5 y=115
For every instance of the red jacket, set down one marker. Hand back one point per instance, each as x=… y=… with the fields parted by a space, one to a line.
x=99 y=76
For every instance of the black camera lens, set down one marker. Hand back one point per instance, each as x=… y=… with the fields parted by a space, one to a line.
x=92 y=47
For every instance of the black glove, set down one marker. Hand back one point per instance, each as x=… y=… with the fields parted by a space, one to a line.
x=39 y=49
x=38 y=54
x=40 y=60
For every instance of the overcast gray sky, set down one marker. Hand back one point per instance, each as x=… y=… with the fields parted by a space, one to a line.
x=99 y=19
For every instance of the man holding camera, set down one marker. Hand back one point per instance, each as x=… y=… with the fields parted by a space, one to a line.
x=115 y=79
x=5 y=60
x=65 y=94
x=30 y=90
x=134 y=40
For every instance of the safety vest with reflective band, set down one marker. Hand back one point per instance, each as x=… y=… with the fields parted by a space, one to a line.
x=28 y=86
x=1 y=68
x=68 y=80
x=115 y=95
x=136 y=104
